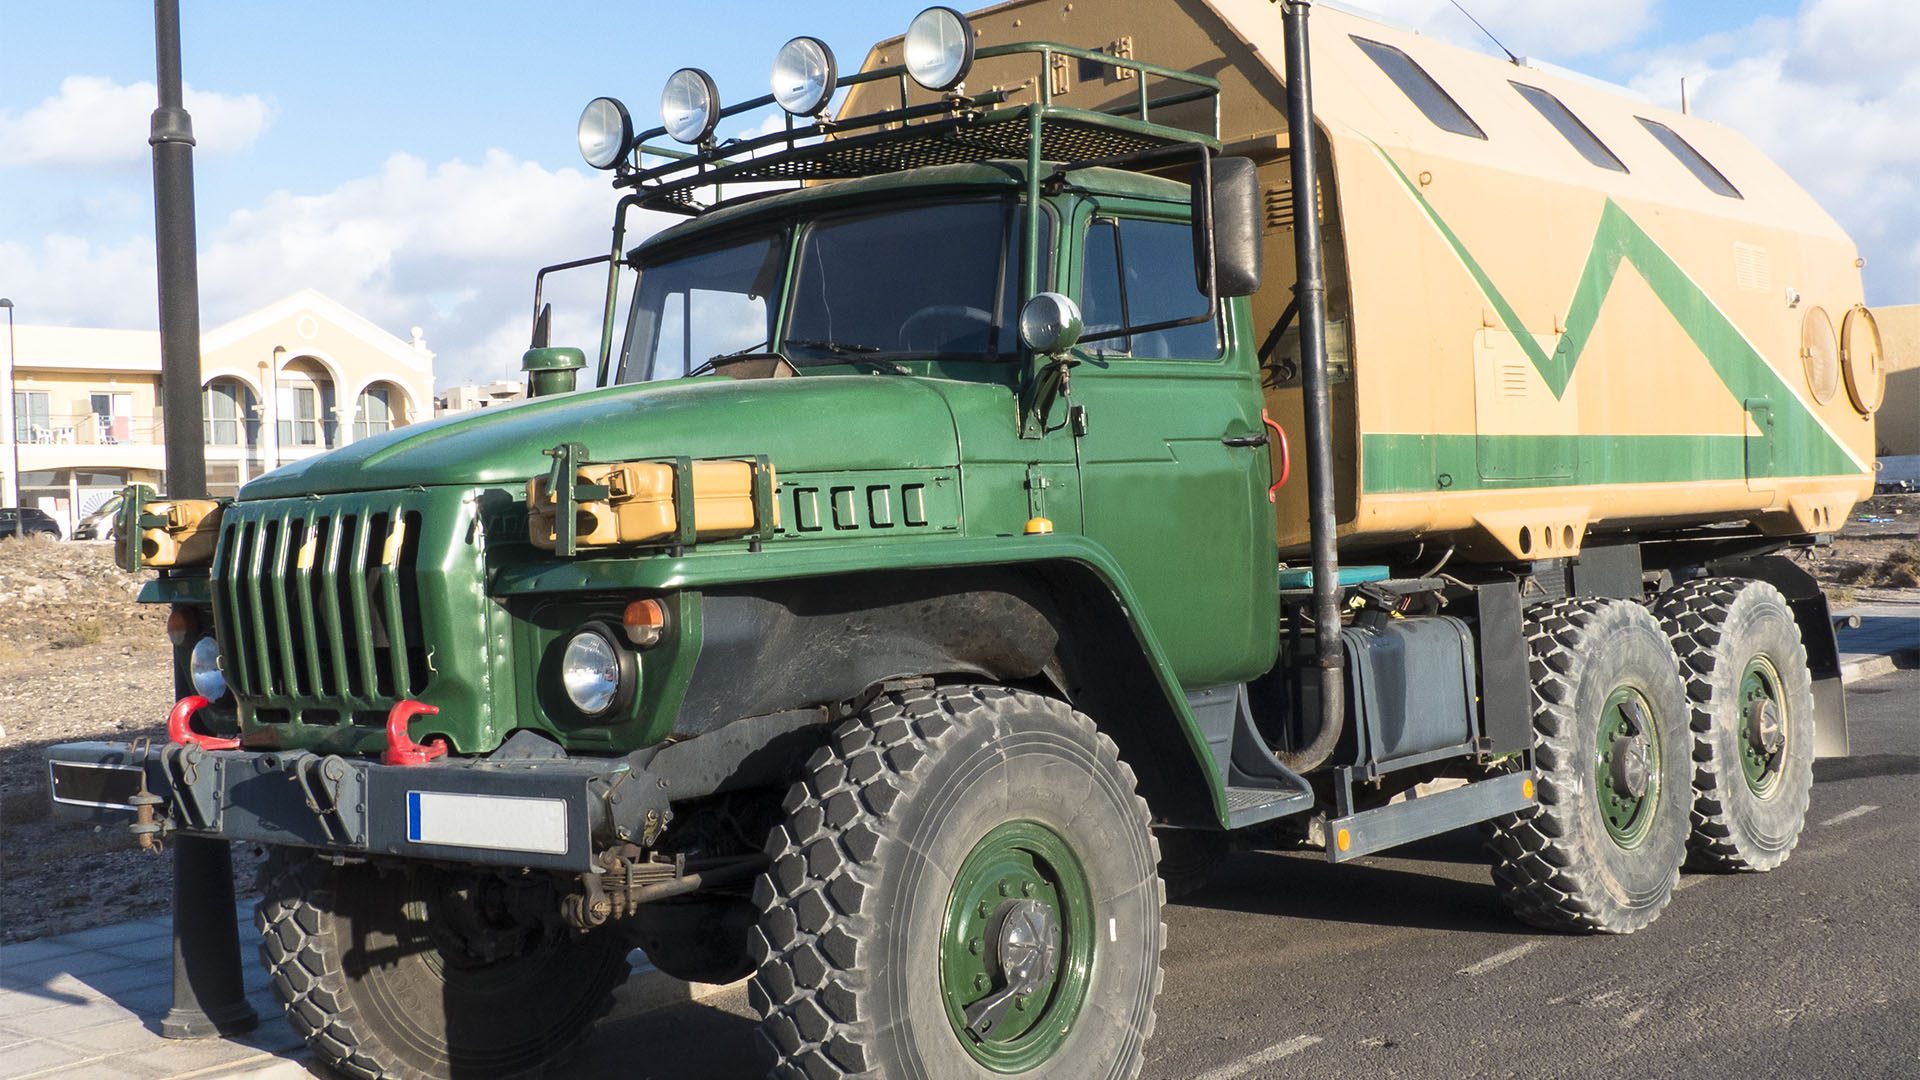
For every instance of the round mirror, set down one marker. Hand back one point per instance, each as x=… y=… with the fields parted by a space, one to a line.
x=1050 y=323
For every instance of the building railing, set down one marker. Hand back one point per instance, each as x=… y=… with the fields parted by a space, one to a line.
x=86 y=429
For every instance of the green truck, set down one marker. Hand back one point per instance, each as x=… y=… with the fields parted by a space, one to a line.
x=905 y=612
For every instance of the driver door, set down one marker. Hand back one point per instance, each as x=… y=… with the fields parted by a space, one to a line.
x=1184 y=513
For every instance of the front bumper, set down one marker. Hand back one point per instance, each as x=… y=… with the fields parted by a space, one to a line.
x=546 y=813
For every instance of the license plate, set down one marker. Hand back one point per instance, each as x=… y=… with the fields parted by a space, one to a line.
x=110 y=787
x=496 y=822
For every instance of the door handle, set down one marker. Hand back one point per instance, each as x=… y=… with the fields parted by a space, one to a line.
x=1258 y=438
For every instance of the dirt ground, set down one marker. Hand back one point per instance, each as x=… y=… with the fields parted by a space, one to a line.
x=80 y=660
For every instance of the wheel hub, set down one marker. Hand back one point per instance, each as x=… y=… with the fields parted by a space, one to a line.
x=1765 y=727
x=1027 y=953
x=1016 y=949
x=1631 y=767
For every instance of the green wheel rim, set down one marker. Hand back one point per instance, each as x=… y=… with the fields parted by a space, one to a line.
x=1018 y=860
x=1628 y=815
x=1760 y=684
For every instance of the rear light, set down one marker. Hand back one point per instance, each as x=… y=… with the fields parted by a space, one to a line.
x=643 y=621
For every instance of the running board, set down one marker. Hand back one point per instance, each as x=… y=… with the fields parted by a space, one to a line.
x=1258 y=788
x=1415 y=819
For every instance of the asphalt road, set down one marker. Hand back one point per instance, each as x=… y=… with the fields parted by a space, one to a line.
x=1406 y=967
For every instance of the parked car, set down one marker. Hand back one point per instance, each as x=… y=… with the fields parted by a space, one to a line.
x=27 y=521
x=99 y=524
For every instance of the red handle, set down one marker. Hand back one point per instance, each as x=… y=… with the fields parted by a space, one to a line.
x=1286 y=455
x=402 y=750
x=180 y=726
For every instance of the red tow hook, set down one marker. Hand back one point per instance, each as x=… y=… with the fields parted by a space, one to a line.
x=180 y=726
x=402 y=750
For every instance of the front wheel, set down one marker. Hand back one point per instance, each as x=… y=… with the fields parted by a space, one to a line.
x=423 y=974
x=964 y=887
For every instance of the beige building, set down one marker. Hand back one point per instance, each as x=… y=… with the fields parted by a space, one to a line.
x=470 y=396
x=295 y=378
x=1897 y=425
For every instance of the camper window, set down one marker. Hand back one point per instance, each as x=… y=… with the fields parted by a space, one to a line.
x=1691 y=158
x=1569 y=126
x=1420 y=88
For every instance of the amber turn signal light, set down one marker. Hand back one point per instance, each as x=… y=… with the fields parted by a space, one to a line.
x=643 y=622
x=180 y=626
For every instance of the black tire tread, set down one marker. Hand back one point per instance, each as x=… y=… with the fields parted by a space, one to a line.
x=817 y=898
x=310 y=982
x=1539 y=878
x=1695 y=617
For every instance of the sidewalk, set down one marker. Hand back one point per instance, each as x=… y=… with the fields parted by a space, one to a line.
x=1888 y=637
x=88 y=1005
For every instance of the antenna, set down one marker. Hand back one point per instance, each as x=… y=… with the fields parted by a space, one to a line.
x=1683 y=95
x=1484 y=30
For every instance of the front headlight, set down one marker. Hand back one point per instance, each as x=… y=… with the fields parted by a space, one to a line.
x=203 y=667
x=597 y=674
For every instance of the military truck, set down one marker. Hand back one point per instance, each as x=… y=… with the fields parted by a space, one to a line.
x=923 y=590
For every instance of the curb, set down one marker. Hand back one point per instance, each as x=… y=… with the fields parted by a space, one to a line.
x=1872 y=667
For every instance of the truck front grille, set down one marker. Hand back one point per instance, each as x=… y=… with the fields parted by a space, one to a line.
x=317 y=602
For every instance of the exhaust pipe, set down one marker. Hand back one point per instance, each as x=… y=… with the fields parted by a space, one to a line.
x=1310 y=292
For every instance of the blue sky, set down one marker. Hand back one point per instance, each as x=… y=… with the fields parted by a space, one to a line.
x=416 y=160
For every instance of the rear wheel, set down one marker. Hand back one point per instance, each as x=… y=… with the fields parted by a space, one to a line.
x=1752 y=717
x=964 y=887
x=1602 y=850
x=421 y=973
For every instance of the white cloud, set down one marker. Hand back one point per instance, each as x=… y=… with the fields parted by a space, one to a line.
x=96 y=121
x=452 y=248
x=1546 y=31
x=1837 y=108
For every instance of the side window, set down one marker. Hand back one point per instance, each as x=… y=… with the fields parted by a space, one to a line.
x=1426 y=94
x=1138 y=273
x=1569 y=126
x=1696 y=162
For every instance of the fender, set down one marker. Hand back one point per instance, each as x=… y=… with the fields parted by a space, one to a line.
x=1121 y=679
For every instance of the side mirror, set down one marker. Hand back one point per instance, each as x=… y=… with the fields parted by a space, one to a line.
x=1235 y=240
x=551 y=370
x=1050 y=323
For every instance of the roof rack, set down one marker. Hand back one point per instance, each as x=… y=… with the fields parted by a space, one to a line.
x=957 y=129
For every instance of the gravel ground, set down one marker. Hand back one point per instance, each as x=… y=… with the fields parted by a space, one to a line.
x=79 y=660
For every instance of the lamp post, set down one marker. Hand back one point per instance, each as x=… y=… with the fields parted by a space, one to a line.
x=6 y=413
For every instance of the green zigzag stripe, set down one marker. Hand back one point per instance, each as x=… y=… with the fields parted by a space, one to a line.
x=1802 y=444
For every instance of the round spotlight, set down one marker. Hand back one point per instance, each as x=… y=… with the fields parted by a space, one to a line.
x=803 y=76
x=939 y=48
x=203 y=666
x=605 y=132
x=690 y=106
x=1050 y=323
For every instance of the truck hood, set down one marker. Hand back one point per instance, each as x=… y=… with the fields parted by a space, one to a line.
x=803 y=424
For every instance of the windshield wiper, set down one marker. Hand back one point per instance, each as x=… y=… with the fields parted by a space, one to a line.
x=842 y=348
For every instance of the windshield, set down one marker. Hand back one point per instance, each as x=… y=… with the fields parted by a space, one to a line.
x=696 y=306
x=920 y=282
x=936 y=281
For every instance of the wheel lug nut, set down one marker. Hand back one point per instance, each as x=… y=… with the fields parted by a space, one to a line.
x=1006 y=888
x=976 y=946
x=985 y=909
x=981 y=982
x=1026 y=888
x=1020 y=1002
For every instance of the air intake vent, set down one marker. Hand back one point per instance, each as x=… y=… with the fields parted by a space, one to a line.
x=1279 y=202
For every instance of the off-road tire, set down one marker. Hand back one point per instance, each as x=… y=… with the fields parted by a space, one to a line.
x=1719 y=626
x=323 y=930
x=849 y=982
x=1557 y=866
x=1188 y=858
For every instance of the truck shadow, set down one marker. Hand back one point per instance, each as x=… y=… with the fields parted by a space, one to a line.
x=1422 y=886
x=713 y=1037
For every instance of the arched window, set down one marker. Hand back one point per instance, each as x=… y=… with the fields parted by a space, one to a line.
x=229 y=414
x=375 y=412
